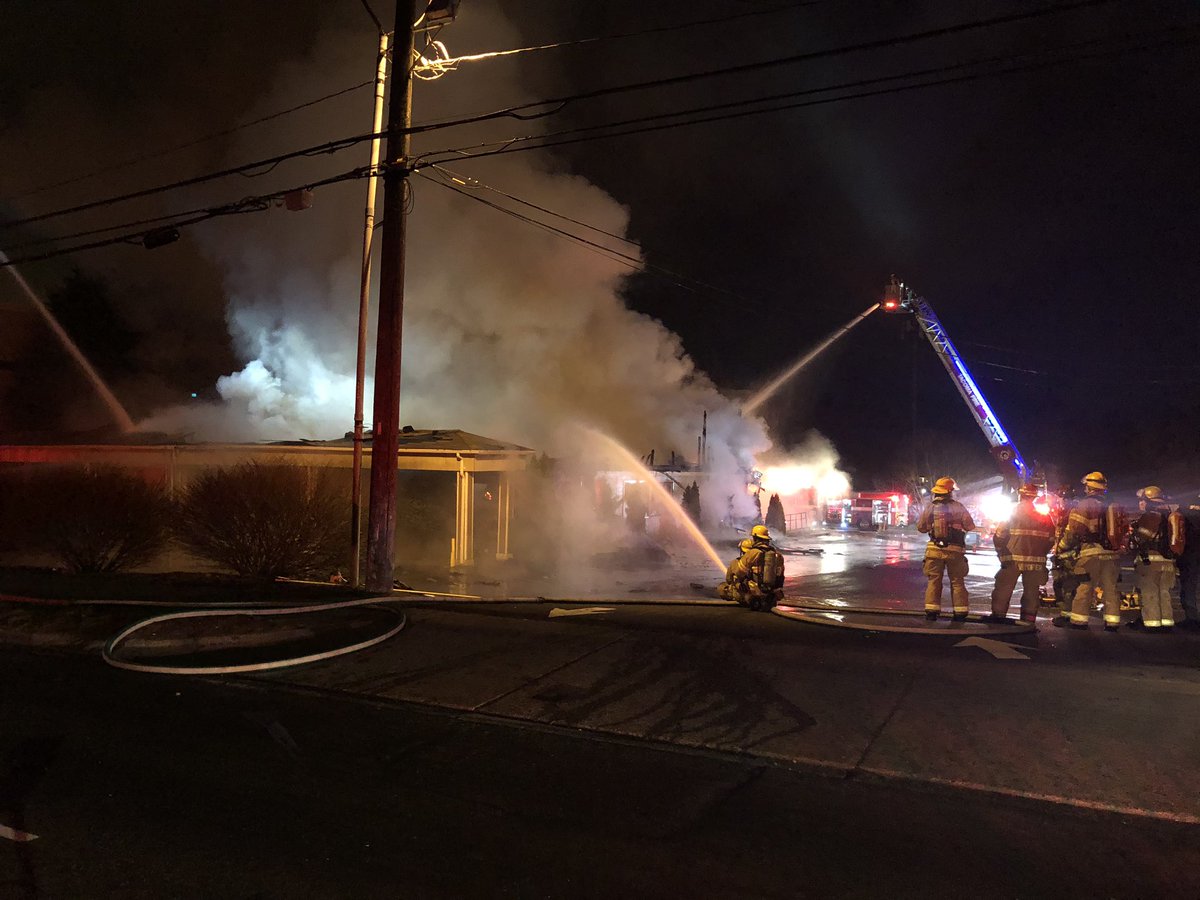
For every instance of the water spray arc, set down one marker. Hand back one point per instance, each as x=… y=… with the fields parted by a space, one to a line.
x=765 y=393
x=669 y=503
x=114 y=405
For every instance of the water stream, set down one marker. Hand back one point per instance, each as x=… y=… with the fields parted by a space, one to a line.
x=669 y=503
x=764 y=394
x=114 y=405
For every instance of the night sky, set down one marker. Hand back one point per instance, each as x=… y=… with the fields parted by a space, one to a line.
x=1050 y=216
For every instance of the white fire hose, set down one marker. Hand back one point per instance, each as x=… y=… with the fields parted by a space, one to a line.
x=110 y=657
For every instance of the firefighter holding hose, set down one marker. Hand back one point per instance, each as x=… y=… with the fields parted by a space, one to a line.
x=947 y=522
x=1022 y=544
x=755 y=578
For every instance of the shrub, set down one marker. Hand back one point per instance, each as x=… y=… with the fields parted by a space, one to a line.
x=95 y=518
x=776 y=519
x=267 y=520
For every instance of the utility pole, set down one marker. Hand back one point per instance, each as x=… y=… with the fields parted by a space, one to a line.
x=381 y=517
x=364 y=301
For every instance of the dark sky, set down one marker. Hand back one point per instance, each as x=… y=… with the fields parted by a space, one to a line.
x=1050 y=216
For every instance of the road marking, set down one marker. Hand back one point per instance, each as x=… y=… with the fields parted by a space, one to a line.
x=20 y=837
x=998 y=649
x=586 y=611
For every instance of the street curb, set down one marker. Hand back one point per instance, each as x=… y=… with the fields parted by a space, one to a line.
x=800 y=765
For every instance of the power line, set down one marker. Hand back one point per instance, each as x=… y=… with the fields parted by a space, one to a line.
x=678 y=26
x=467 y=181
x=634 y=263
x=762 y=65
x=245 y=205
x=374 y=18
x=519 y=144
x=146 y=157
x=520 y=111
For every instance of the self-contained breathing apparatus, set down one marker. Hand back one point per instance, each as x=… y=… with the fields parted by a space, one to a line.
x=1157 y=531
x=755 y=579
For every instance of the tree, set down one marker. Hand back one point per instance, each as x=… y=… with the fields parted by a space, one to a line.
x=775 y=516
x=691 y=502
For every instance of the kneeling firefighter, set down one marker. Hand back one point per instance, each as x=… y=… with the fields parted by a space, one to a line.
x=1022 y=544
x=1157 y=540
x=755 y=579
x=947 y=522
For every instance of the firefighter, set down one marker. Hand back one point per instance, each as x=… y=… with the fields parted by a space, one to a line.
x=1157 y=538
x=733 y=573
x=1094 y=532
x=947 y=522
x=749 y=564
x=1022 y=544
x=748 y=580
x=1188 y=564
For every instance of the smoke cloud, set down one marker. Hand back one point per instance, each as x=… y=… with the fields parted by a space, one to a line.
x=510 y=331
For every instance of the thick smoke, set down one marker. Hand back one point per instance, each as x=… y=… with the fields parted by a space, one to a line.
x=510 y=331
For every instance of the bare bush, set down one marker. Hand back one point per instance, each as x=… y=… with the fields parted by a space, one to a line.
x=266 y=520
x=94 y=518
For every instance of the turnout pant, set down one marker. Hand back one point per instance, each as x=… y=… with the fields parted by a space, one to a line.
x=938 y=561
x=1099 y=572
x=1154 y=580
x=1189 y=583
x=1031 y=599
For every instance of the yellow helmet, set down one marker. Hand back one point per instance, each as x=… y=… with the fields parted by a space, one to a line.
x=1153 y=492
x=945 y=485
x=745 y=544
x=760 y=531
x=1096 y=481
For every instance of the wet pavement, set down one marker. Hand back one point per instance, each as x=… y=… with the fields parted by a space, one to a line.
x=972 y=718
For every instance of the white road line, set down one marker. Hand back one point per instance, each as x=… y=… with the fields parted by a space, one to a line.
x=20 y=837
x=586 y=611
x=998 y=649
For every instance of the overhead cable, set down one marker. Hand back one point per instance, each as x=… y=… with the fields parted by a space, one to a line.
x=146 y=157
x=738 y=108
x=634 y=263
x=246 y=205
x=528 y=110
x=677 y=26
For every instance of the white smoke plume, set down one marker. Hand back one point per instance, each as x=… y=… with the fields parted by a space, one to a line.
x=510 y=331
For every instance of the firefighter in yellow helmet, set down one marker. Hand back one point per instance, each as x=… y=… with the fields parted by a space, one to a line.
x=1022 y=544
x=1157 y=540
x=754 y=577
x=947 y=522
x=1093 y=536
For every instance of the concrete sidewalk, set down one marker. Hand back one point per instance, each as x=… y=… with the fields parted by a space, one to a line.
x=1116 y=735
x=1101 y=721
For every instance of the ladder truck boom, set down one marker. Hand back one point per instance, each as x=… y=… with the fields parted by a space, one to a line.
x=898 y=298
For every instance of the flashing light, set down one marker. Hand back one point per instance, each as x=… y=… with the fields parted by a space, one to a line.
x=896 y=499
x=1042 y=505
x=996 y=507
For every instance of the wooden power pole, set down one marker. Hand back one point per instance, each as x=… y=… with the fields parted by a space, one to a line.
x=381 y=510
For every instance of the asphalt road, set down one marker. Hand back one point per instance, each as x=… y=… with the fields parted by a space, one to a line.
x=141 y=786
x=511 y=751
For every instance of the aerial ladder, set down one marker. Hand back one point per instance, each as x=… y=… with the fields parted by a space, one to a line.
x=898 y=298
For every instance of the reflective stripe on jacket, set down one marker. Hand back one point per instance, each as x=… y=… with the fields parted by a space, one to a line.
x=947 y=523
x=1085 y=529
x=1025 y=539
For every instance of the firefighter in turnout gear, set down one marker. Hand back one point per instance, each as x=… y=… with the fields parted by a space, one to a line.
x=1157 y=540
x=755 y=578
x=1022 y=544
x=947 y=522
x=1094 y=531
